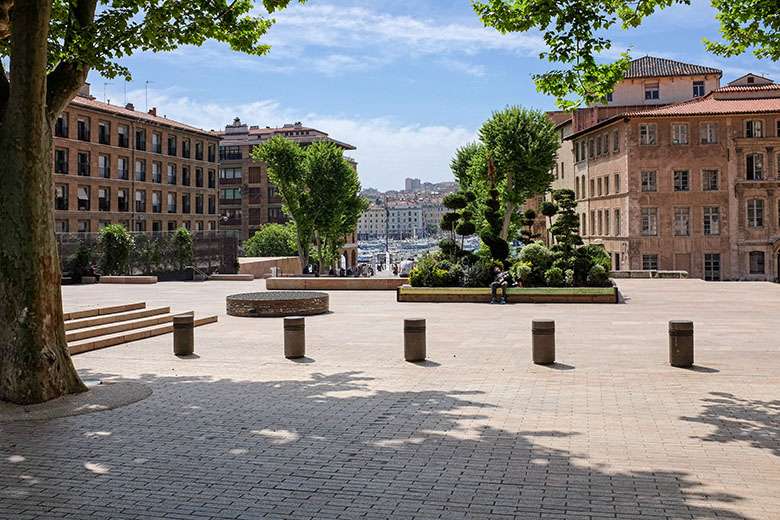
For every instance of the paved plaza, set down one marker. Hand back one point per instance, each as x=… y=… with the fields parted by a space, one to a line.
x=477 y=431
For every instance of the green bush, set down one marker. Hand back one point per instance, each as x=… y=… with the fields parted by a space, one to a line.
x=183 y=250
x=553 y=277
x=597 y=255
x=272 y=240
x=78 y=263
x=476 y=275
x=568 y=277
x=537 y=255
x=598 y=276
x=416 y=278
x=151 y=255
x=116 y=245
x=521 y=272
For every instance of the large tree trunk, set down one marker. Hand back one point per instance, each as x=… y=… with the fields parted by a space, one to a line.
x=510 y=207
x=34 y=362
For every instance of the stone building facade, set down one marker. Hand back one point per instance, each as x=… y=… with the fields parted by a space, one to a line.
x=248 y=199
x=373 y=223
x=689 y=186
x=117 y=165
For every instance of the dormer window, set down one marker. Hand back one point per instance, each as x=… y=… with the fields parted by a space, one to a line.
x=651 y=91
x=698 y=88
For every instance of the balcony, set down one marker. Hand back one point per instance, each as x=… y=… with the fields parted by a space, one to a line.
x=230 y=202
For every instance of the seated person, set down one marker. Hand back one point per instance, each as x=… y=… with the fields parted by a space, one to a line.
x=500 y=279
x=94 y=272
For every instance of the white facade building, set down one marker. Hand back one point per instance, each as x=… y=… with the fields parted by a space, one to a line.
x=406 y=221
x=372 y=223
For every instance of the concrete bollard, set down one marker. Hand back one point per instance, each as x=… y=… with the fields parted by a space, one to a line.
x=294 y=337
x=681 y=343
x=414 y=339
x=543 y=341
x=183 y=334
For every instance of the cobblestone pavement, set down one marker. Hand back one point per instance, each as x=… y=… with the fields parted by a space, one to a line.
x=477 y=431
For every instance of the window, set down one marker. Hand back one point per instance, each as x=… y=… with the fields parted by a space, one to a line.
x=122 y=200
x=606 y=185
x=682 y=180
x=104 y=199
x=61 y=197
x=83 y=129
x=156 y=226
x=606 y=143
x=708 y=133
x=609 y=97
x=61 y=126
x=83 y=164
x=83 y=226
x=712 y=221
x=698 y=88
x=199 y=151
x=651 y=91
x=275 y=213
x=617 y=183
x=171 y=203
x=584 y=224
x=172 y=225
x=647 y=135
x=156 y=142
x=755 y=213
x=156 y=202
x=682 y=222
x=199 y=204
x=231 y=194
x=712 y=266
x=172 y=174
x=650 y=222
x=590 y=148
x=680 y=133
x=576 y=152
x=709 y=180
x=598 y=183
x=273 y=191
x=140 y=170
x=754 y=128
x=754 y=166
x=649 y=181
x=104 y=166
x=104 y=132
x=83 y=194
x=140 y=225
x=592 y=188
x=61 y=226
x=185 y=176
x=212 y=205
x=606 y=222
x=157 y=173
x=756 y=262
x=617 y=222
x=598 y=145
x=600 y=222
x=212 y=154
x=121 y=169
x=122 y=136
x=230 y=173
x=60 y=161
x=198 y=177
x=140 y=140
x=212 y=179
x=185 y=203
x=650 y=262
x=172 y=145
x=185 y=148
x=140 y=201
x=616 y=141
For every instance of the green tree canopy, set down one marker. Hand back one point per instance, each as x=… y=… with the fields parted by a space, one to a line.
x=573 y=32
x=272 y=240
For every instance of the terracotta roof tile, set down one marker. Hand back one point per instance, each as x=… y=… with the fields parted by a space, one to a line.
x=711 y=105
x=650 y=67
x=136 y=114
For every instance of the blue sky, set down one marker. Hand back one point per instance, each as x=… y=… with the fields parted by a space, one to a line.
x=406 y=81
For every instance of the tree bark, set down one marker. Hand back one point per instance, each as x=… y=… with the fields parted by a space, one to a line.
x=510 y=207
x=34 y=362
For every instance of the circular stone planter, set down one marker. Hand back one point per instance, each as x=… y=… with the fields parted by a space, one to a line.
x=277 y=303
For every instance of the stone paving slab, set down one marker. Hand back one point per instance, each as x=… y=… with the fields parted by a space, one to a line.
x=477 y=431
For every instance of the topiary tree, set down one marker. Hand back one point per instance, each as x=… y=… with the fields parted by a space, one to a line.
x=564 y=230
x=549 y=210
x=115 y=244
x=490 y=234
x=527 y=234
x=182 y=248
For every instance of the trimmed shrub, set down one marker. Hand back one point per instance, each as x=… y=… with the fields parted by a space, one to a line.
x=78 y=263
x=553 y=277
x=598 y=276
x=476 y=275
x=568 y=277
x=521 y=272
x=116 y=245
x=272 y=240
x=537 y=255
x=182 y=248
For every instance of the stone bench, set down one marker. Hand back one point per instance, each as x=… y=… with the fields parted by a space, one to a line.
x=128 y=279
x=277 y=303
x=232 y=277
x=407 y=293
x=88 y=279
x=334 y=283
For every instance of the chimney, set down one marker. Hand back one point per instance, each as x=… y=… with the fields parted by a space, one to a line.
x=84 y=90
x=153 y=111
x=130 y=106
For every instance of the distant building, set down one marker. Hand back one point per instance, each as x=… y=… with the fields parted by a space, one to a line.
x=373 y=223
x=412 y=184
x=406 y=221
x=114 y=165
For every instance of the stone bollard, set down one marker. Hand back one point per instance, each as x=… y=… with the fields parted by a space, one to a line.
x=414 y=339
x=681 y=343
x=543 y=341
x=183 y=334
x=294 y=337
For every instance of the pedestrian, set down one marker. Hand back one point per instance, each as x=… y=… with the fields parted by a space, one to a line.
x=499 y=280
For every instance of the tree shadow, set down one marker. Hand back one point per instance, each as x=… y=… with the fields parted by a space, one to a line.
x=753 y=421
x=335 y=445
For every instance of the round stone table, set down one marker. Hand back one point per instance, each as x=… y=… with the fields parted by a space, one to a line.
x=277 y=303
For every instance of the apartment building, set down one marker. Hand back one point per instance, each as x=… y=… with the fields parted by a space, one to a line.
x=248 y=199
x=689 y=186
x=117 y=165
x=405 y=221
x=372 y=223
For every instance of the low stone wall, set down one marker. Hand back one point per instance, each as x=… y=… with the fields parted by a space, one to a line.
x=335 y=283
x=407 y=293
x=277 y=303
x=128 y=279
x=260 y=267
x=649 y=273
x=232 y=277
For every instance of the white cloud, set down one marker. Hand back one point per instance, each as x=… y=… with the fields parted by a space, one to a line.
x=387 y=150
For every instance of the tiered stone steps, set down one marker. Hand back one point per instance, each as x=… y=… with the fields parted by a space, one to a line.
x=97 y=328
